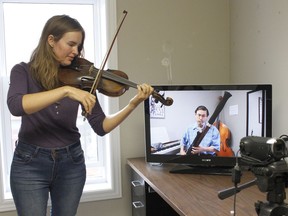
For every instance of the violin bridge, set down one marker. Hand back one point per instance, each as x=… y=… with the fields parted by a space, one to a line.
x=91 y=69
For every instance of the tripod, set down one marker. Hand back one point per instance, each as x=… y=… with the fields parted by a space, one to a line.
x=276 y=195
x=275 y=186
x=268 y=160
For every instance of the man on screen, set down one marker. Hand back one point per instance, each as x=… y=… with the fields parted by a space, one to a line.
x=210 y=144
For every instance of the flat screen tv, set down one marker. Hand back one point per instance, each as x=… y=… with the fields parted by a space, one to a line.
x=246 y=111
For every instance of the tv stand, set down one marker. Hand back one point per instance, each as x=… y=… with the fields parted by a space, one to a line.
x=205 y=170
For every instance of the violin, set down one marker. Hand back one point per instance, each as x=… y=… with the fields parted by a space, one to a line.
x=82 y=74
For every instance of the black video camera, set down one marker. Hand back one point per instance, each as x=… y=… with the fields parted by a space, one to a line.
x=262 y=150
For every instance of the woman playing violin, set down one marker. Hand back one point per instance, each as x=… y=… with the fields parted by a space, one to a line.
x=48 y=157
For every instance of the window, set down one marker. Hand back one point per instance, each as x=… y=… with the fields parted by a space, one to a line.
x=20 y=29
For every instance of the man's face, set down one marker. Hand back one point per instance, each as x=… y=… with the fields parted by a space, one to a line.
x=201 y=117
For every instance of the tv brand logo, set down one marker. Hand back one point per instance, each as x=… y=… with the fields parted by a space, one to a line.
x=206 y=160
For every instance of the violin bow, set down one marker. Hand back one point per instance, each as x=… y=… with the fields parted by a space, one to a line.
x=99 y=74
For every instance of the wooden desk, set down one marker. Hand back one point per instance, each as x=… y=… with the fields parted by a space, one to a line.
x=193 y=194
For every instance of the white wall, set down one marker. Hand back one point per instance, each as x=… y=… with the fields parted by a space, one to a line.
x=259 y=51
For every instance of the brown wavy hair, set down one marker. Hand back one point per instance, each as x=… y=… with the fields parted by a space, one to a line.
x=43 y=64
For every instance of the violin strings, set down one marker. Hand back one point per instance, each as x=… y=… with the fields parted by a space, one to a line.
x=119 y=79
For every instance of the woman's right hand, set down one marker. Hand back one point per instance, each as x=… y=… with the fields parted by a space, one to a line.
x=87 y=99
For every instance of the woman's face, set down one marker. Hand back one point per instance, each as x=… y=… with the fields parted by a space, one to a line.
x=67 y=47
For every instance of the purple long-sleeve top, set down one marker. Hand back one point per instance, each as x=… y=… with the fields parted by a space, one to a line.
x=53 y=126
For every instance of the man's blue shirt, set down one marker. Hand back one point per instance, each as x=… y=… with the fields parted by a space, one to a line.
x=212 y=138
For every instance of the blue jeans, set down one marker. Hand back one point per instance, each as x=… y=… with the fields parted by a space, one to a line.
x=36 y=172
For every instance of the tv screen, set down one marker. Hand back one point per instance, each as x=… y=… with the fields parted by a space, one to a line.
x=235 y=111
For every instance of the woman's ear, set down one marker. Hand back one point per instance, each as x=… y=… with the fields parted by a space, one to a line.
x=51 y=40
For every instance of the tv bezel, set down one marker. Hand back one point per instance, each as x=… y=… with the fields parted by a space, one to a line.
x=207 y=161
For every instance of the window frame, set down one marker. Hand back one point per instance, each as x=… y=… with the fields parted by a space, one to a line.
x=107 y=11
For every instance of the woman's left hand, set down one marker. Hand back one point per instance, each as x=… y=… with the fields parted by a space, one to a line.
x=144 y=91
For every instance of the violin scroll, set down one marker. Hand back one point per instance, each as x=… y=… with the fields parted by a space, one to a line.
x=167 y=102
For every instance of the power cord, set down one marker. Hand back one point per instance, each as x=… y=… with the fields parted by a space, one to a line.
x=236 y=178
